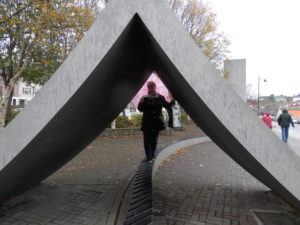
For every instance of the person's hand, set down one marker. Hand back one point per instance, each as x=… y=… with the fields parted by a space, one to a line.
x=142 y=99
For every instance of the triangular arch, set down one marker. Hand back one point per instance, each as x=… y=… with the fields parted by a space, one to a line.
x=129 y=40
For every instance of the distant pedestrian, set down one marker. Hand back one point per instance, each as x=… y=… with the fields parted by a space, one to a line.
x=284 y=121
x=153 y=121
x=267 y=120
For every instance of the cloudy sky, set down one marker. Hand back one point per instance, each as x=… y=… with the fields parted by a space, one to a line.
x=267 y=34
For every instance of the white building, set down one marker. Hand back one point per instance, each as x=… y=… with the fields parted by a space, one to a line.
x=23 y=93
x=296 y=99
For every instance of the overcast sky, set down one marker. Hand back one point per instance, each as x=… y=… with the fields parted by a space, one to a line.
x=267 y=34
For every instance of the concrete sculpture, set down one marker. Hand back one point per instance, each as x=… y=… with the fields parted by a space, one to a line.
x=236 y=75
x=129 y=40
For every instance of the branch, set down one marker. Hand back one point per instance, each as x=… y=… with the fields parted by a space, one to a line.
x=22 y=52
x=17 y=12
x=15 y=78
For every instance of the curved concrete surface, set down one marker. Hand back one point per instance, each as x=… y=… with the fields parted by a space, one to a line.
x=173 y=147
x=129 y=40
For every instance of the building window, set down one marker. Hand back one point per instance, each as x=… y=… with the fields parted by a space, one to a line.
x=27 y=91
x=36 y=90
x=22 y=102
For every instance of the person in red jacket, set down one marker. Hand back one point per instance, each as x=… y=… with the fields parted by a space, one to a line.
x=268 y=120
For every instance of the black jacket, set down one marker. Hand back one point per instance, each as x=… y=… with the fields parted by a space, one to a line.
x=151 y=107
x=285 y=119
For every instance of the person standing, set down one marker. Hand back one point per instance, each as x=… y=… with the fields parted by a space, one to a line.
x=153 y=121
x=284 y=121
x=267 y=120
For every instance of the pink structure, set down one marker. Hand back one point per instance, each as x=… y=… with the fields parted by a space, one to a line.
x=160 y=88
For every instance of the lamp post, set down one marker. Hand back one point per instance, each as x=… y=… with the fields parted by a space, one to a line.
x=258 y=94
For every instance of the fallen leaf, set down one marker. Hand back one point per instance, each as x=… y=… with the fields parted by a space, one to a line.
x=179 y=151
x=134 y=167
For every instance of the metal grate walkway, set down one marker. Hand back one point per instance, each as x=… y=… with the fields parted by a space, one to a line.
x=140 y=206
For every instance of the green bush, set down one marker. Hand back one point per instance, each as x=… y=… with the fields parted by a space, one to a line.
x=123 y=122
x=136 y=120
x=12 y=115
x=183 y=116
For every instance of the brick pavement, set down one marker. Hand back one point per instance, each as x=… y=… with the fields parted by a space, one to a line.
x=56 y=204
x=201 y=185
x=88 y=189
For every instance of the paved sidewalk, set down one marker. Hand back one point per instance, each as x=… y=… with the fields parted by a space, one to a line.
x=56 y=204
x=294 y=136
x=201 y=185
x=88 y=189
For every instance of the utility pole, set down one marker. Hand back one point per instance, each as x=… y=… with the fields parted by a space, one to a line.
x=258 y=96
x=265 y=80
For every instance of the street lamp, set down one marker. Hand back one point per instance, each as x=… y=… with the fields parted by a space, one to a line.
x=265 y=80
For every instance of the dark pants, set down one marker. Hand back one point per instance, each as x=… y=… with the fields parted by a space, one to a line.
x=150 y=143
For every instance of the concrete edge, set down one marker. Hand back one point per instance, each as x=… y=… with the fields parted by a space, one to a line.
x=173 y=147
x=114 y=212
x=257 y=219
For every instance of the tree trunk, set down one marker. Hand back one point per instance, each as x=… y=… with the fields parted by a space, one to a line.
x=8 y=91
x=8 y=112
x=4 y=105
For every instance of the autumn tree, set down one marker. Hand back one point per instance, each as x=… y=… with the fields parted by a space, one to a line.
x=201 y=23
x=37 y=35
x=35 y=38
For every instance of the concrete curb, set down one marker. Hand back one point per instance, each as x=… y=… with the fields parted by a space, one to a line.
x=168 y=150
x=115 y=210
